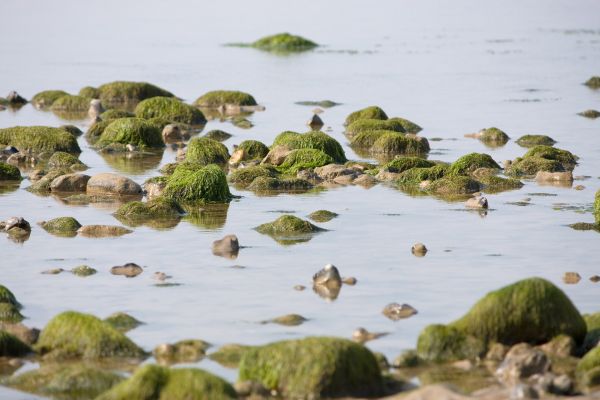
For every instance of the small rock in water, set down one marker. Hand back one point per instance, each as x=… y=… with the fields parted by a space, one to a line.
x=395 y=311
x=522 y=361
x=95 y=109
x=318 y=110
x=288 y=320
x=419 y=249
x=129 y=270
x=299 y=287
x=83 y=271
x=361 y=335
x=15 y=98
x=53 y=271
x=329 y=276
x=579 y=187
x=315 y=123
x=545 y=176
x=477 y=202
x=349 y=281
x=595 y=278
x=16 y=223
x=161 y=276
x=101 y=231
x=571 y=278
x=227 y=247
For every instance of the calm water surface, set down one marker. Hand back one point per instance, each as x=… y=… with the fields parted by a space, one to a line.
x=452 y=67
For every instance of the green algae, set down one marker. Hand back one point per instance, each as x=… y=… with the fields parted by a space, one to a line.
x=39 y=139
x=157 y=208
x=60 y=159
x=470 y=162
x=593 y=82
x=288 y=225
x=253 y=149
x=95 y=130
x=6 y=296
x=62 y=226
x=229 y=355
x=321 y=103
x=242 y=177
x=283 y=43
x=218 y=135
x=322 y=215
x=218 y=98
x=454 y=185
x=366 y=125
x=83 y=271
x=497 y=184
x=183 y=351
x=206 y=151
x=394 y=143
x=122 y=322
x=301 y=159
x=11 y=346
x=170 y=109
x=89 y=92
x=135 y=131
x=9 y=313
x=71 y=103
x=371 y=112
x=204 y=185
x=441 y=343
x=401 y=164
x=272 y=185
x=109 y=115
x=129 y=92
x=46 y=98
x=535 y=140
x=493 y=135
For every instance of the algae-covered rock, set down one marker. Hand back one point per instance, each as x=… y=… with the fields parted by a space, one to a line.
x=266 y=184
x=83 y=271
x=542 y=158
x=287 y=320
x=122 y=322
x=109 y=115
x=532 y=310
x=218 y=135
x=592 y=338
x=171 y=109
x=441 y=343
x=72 y=129
x=129 y=92
x=303 y=159
x=6 y=296
x=366 y=125
x=158 y=208
x=393 y=143
x=589 y=362
x=39 y=139
x=77 y=335
x=593 y=82
x=95 y=130
x=407 y=125
x=320 y=103
x=414 y=176
x=496 y=184
x=311 y=140
x=284 y=43
x=253 y=150
x=46 y=98
x=70 y=381
x=206 y=151
x=229 y=355
x=454 y=185
x=289 y=229
x=71 y=103
x=89 y=92
x=152 y=382
x=9 y=172
x=372 y=112
x=218 y=98
x=535 y=140
x=243 y=177
x=493 y=135
x=471 y=162
x=597 y=207
x=401 y=164
x=203 y=184
x=184 y=351
x=62 y=226
x=135 y=131
x=314 y=367
x=10 y=313
x=592 y=114
x=566 y=158
x=60 y=159
x=11 y=346
x=322 y=215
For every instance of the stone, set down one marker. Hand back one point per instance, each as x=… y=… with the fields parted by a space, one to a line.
x=15 y=98
x=276 y=155
x=546 y=176
x=112 y=184
x=330 y=172
x=477 y=202
x=561 y=346
x=419 y=249
x=349 y=281
x=129 y=270
x=14 y=223
x=315 y=123
x=571 y=278
x=70 y=183
x=395 y=311
x=227 y=247
x=361 y=335
x=100 y=231
x=522 y=361
x=95 y=109
x=172 y=134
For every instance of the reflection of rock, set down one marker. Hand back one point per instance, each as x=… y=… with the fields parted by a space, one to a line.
x=129 y=270
x=361 y=335
x=328 y=276
x=133 y=163
x=100 y=231
x=208 y=216
x=227 y=247
x=395 y=311
x=326 y=292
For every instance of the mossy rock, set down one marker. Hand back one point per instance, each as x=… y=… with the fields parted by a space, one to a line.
x=135 y=131
x=61 y=226
x=566 y=158
x=152 y=382
x=316 y=140
x=366 y=139
x=10 y=313
x=253 y=149
x=71 y=103
x=394 y=143
x=43 y=185
x=89 y=92
x=95 y=130
x=72 y=129
x=372 y=112
x=289 y=229
x=590 y=378
x=122 y=322
x=158 y=208
x=241 y=122
x=597 y=207
x=493 y=135
x=204 y=185
x=593 y=82
x=441 y=343
x=46 y=98
x=39 y=139
x=593 y=114
x=320 y=103
x=401 y=164
x=218 y=135
x=301 y=159
x=454 y=185
x=589 y=362
x=496 y=184
x=269 y=184
x=532 y=165
x=77 y=335
x=229 y=355
x=9 y=172
x=218 y=98
x=206 y=151
x=171 y=109
x=284 y=43
x=11 y=346
x=416 y=175
x=183 y=351
x=407 y=125
x=83 y=271
x=531 y=310
x=243 y=177
x=314 y=367
x=60 y=159
x=592 y=338
x=109 y=115
x=6 y=296
x=70 y=381
x=471 y=162
x=130 y=92
x=322 y=215
x=366 y=125
x=535 y=140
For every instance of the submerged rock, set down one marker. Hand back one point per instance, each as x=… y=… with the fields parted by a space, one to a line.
x=229 y=355
x=284 y=43
x=322 y=103
x=228 y=247
x=171 y=109
x=129 y=270
x=592 y=114
x=122 y=322
x=62 y=226
x=83 y=271
x=322 y=216
x=184 y=351
x=535 y=140
x=545 y=176
x=288 y=320
x=328 y=276
x=593 y=82
x=395 y=311
x=288 y=226
x=101 y=231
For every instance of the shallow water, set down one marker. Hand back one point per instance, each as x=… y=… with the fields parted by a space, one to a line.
x=453 y=68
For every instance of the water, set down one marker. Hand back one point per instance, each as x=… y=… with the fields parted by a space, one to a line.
x=453 y=68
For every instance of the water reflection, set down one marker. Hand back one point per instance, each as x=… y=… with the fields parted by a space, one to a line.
x=207 y=216
x=136 y=163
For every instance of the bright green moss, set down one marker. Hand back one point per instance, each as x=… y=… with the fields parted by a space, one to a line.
x=83 y=271
x=401 y=164
x=70 y=381
x=11 y=346
x=366 y=139
x=366 y=125
x=229 y=355
x=109 y=115
x=122 y=322
x=153 y=382
x=71 y=103
x=134 y=131
x=206 y=185
x=314 y=367
x=471 y=162
x=392 y=143
x=9 y=172
x=496 y=184
x=287 y=225
x=441 y=343
x=273 y=184
x=62 y=226
x=130 y=92
x=157 y=208
x=414 y=176
x=566 y=158
x=6 y=296
x=206 y=151
x=60 y=159
x=452 y=185
x=535 y=140
x=493 y=135
x=304 y=158
x=284 y=43
x=372 y=112
x=95 y=130
x=171 y=109
x=244 y=176
x=322 y=216
x=312 y=140
x=253 y=149
x=46 y=98
x=407 y=126
x=39 y=139
x=593 y=82
x=89 y=92
x=218 y=98
x=76 y=335
x=10 y=313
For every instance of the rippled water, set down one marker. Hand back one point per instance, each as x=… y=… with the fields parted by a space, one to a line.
x=452 y=67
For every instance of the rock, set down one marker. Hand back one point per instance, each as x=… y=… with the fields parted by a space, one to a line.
x=9 y=173
x=112 y=184
x=276 y=155
x=184 y=351
x=193 y=183
x=158 y=209
x=7 y=297
x=523 y=361
x=53 y=271
x=251 y=150
x=95 y=109
x=218 y=98
x=289 y=229
x=497 y=352
x=15 y=98
x=172 y=134
x=218 y=135
x=441 y=343
x=361 y=335
x=372 y=112
x=15 y=223
x=83 y=271
x=313 y=367
x=395 y=311
x=227 y=247
x=27 y=335
x=124 y=92
x=11 y=346
x=122 y=322
x=477 y=202
x=248 y=389
x=154 y=187
x=229 y=355
x=301 y=159
x=365 y=181
x=288 y=320
x=351 y=281
x=595 y=278
x=408 y=359
x=61 y=159
x=38 y=139
x=315 y=123
x=283 y=43
x=419 y=249
x=170 y=109
x=9 y=313
x=70 y=183
x=331 y=171
x=237 y=157
x=154 y=382
x=75 y=335
x=135 y=131
x=562 y=385
x=571 y=278
x=299 y=287
x=545 y=176
x=130 y=270
x=328 y=276
x=592 y=114
x=313 y=140
x=100 y=231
